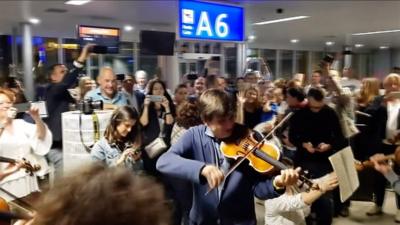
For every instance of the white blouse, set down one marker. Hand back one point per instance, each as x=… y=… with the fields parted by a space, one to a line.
x=22 y=142
x=286 y=210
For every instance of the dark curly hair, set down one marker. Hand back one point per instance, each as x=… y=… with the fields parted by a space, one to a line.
x=99 y=195
x=188 y=114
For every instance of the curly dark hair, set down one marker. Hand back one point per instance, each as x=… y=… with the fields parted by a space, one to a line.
x=99 y=195
x=188 y=114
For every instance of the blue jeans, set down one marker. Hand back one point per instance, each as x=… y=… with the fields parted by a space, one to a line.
x=55 y=157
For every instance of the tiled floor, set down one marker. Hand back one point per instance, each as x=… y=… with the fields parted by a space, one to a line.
x=357 y=213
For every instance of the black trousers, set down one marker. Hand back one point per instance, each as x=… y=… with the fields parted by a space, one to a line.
x=380 y=181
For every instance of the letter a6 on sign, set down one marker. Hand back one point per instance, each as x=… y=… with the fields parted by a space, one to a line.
x=210 y=21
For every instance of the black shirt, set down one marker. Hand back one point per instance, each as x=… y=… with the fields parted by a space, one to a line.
x=316 y=127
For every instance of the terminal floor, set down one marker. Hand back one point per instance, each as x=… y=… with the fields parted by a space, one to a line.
x=357 y=213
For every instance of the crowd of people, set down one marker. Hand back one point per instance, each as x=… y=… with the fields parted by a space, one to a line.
x=174 y=139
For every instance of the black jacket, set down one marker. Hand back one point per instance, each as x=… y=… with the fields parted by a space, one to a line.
x=57 y=101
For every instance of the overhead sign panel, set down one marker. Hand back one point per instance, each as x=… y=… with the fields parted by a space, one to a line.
x=210 y=21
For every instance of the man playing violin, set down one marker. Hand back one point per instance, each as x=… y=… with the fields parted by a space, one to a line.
x=219 y=199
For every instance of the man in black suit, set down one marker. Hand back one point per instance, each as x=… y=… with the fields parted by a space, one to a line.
x=58 y=100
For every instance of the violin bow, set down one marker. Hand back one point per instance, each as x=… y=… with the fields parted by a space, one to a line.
x=18 y=202
x=256 y=146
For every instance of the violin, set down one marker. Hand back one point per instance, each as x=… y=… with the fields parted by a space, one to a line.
x=6 y=216
x=30 y=169
x=263 y=156
x=391 y=159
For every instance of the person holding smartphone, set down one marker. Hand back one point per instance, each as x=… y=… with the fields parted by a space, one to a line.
x=57 y=101
x=157 y=119
x=121 y=143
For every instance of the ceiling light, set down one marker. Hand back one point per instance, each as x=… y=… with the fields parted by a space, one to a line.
x=77 y=2
x=251 y=37
x=128 y=28
x=294 y=41
x=376 y=32
x=358 y=45
x=383 y=47
x=329 y=43
x=281 y=20
x=34 y=21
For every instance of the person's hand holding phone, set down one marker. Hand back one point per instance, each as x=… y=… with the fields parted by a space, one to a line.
x=86 y=50
x=165 y=104
x=147 y=100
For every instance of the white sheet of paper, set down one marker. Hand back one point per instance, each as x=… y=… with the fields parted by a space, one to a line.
x=343 y=164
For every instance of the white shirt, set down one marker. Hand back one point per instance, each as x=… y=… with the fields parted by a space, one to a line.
x=19 y=143
x=286 y=210
x=393 y=108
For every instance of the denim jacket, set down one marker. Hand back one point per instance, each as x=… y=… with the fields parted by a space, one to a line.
x=109 y=154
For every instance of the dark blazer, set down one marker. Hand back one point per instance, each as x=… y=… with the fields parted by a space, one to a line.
x=58 y=100
x=139 y=98
x=186 y=159
x=379 y=113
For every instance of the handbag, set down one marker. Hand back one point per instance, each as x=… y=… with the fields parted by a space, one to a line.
x=158 y=145
x=156 y=148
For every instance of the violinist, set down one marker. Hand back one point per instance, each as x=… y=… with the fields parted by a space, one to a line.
x=197 y=157
x=19 y=139
x=386 y=135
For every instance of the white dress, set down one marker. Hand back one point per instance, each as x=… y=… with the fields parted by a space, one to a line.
x=22 y=142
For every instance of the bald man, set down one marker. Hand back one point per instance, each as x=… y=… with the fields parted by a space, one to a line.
x=107 y=90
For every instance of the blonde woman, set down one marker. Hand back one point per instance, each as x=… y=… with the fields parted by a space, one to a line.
x=250 y=107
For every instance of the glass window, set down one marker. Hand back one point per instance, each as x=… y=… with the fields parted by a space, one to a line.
x=286 y=64
x=123 y=62
x=269 y=57
x=301 y=62
x=230 y=62
x=148 y=63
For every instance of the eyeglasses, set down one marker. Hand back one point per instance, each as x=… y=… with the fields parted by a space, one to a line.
x=6 y=103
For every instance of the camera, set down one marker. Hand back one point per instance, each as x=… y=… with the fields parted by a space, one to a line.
x=88 y=106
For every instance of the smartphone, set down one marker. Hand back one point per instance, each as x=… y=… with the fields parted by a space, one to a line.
x=99 y=49
x=41 y=105
x=156 y=98
x=23 y=107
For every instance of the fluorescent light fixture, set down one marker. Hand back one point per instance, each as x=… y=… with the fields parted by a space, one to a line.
x=34 y=20
x=376 y=32
x=383 y=47
x=294 y=41
x=128 y=28
x=251 y=37
x=77 y=2
x=329 y=43
x=358 y=45
x=281 y=20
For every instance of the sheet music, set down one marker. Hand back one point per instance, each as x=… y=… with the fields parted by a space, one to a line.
x=343 y=164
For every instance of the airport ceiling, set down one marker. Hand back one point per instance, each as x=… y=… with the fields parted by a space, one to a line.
x=333 y=21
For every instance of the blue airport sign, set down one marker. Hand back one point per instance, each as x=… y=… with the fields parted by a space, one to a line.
x=210 y=21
